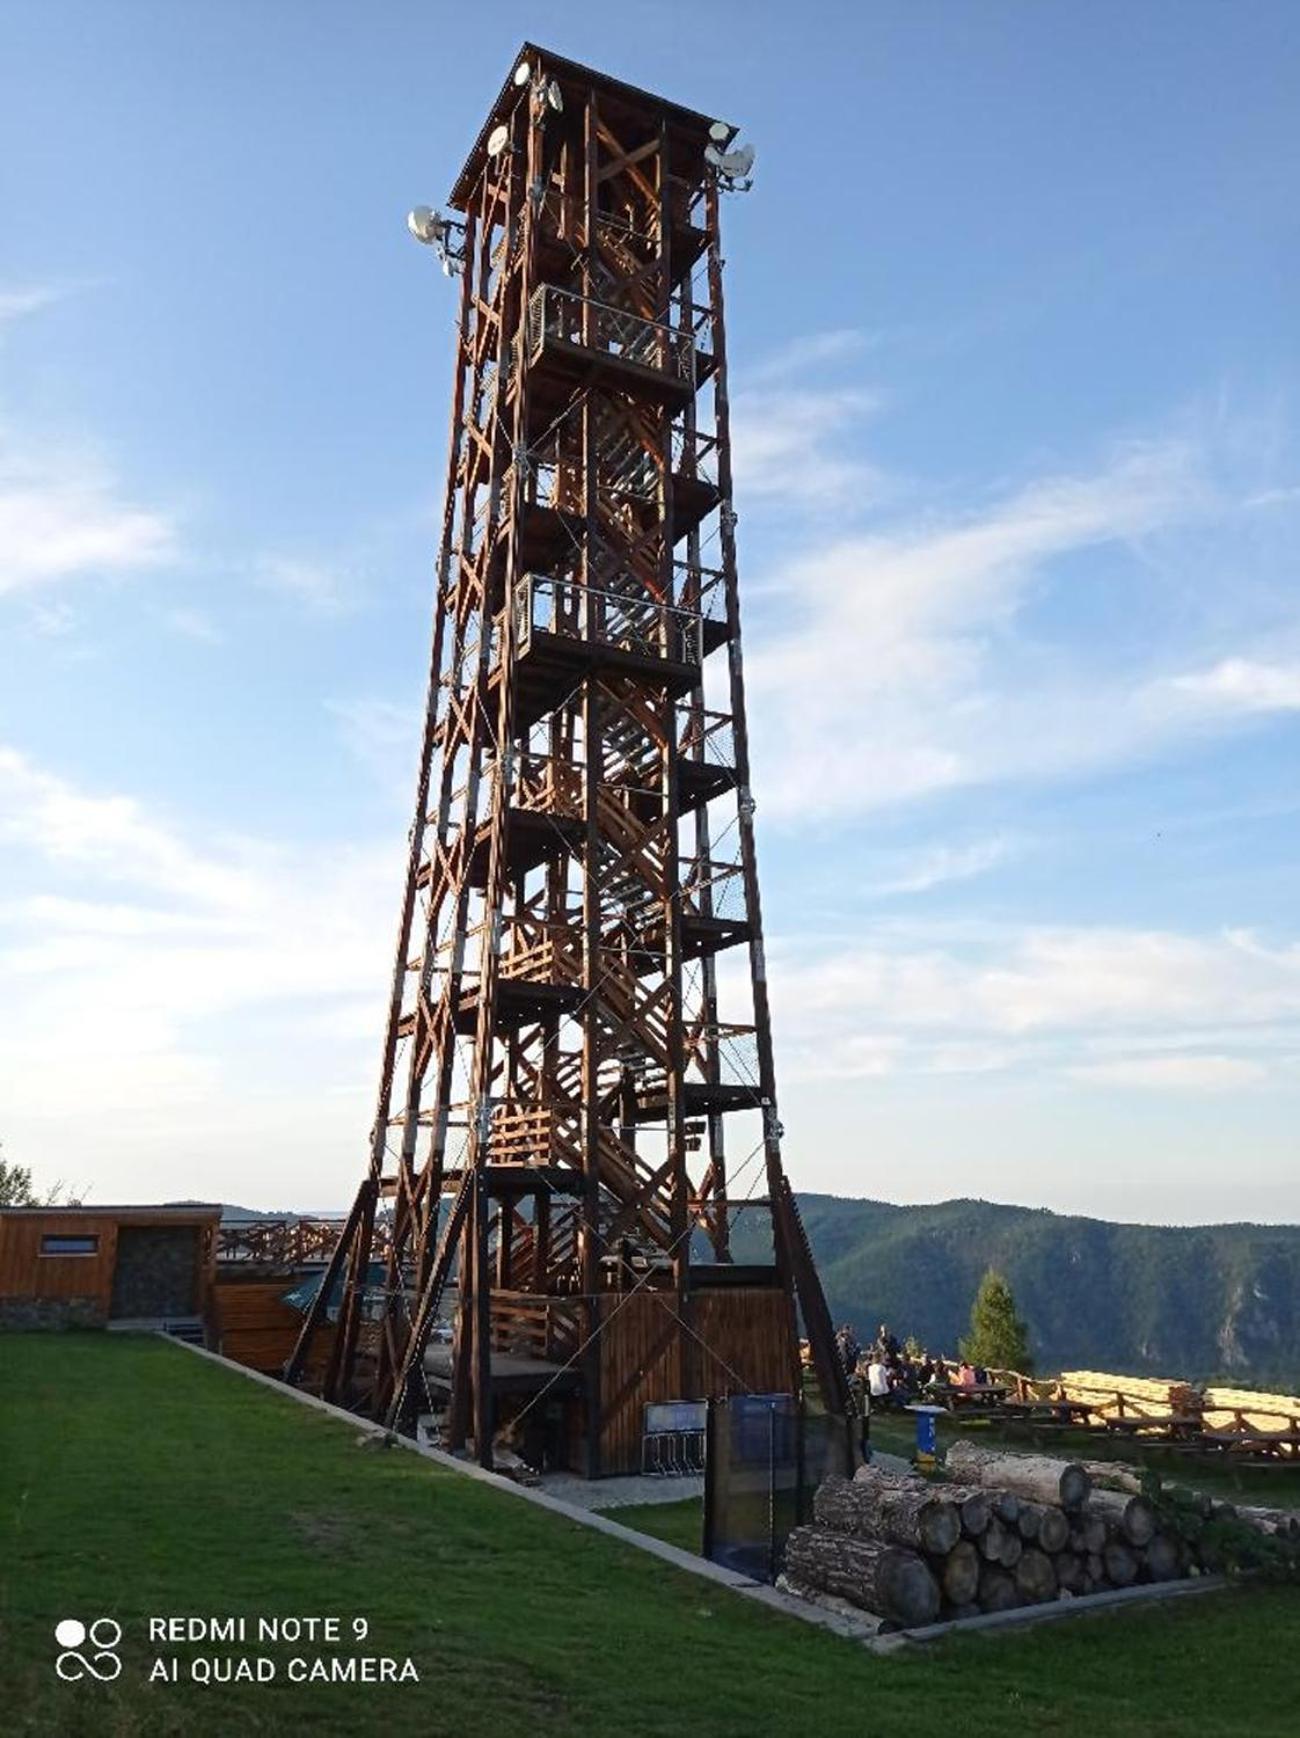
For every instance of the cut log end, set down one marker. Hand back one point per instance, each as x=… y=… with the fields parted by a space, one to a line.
x=959 y=1573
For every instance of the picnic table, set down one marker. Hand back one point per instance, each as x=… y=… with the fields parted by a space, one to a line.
x=1065 y=1414
x=1272 y=1445
x=968 y=1396
x=1176 y=1426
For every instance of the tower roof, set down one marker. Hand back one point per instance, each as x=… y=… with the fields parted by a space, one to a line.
x=567 y=72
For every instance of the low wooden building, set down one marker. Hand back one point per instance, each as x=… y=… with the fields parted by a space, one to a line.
x=260 y=1262
x=87 y=1267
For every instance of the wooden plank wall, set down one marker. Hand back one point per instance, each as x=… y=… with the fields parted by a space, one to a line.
x=252 y=1325
x=753 y=1330
x=640 y=1360
x=748 y=1346
x=25 y=1272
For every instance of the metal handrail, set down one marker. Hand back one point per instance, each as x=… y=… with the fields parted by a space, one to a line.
x=707 y=736
x=593 y=325
x=631 y=621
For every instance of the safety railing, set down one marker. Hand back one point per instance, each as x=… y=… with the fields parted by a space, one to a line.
x=566 y=317
x=707 y=736
x=695 y=454
x=712 y=889
x=629 y=621
x=551 y=476
x=548 y=785
x=734 y=1047
x=544 y=950
x=702 y=590
x=530 y=1325
x=277 y=1242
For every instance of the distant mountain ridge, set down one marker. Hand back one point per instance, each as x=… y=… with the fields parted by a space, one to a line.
x=1202 y=1301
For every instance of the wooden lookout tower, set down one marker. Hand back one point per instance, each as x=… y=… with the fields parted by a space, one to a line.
x=577 y=1092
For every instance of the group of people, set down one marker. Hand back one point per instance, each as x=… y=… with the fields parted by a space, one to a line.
x=889 y=1375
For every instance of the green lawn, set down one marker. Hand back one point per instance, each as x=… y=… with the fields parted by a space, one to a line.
x=139 y=1481
x=680 y=1523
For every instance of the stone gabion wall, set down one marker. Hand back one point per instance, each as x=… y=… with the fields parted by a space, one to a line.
x=24 y=1315
x=154 y=1275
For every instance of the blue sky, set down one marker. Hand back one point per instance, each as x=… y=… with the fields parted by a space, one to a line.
x=1013 y=331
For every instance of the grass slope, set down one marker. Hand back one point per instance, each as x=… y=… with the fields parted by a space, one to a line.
x=137 y=1480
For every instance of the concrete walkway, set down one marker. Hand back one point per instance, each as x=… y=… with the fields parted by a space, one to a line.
x=620 y=1493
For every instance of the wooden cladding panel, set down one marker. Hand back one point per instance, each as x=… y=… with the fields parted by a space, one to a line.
x=640 y=1361
x=748 y=1346
x=254 y=1326
x=25 y=1272
x=751 y=1339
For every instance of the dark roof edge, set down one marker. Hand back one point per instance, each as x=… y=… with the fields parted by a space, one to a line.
x=191 y=1210
x=561 y=66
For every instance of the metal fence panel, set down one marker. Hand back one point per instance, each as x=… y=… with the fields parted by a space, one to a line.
x=765 y=1457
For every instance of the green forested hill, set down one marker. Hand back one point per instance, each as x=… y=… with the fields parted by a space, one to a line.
x=1201 y=1301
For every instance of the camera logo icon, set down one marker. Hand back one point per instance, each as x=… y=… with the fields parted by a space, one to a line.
x=102 y=1638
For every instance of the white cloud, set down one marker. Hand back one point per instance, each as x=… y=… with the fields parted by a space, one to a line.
x=905 y=665
x=384 y=737
x=62 y=516
x=317 y=586
x=16 y=304
x=53 y=619
x=192 y=624
x=166 y=996
x=63 y=512
x=1173 y=1073
x=110 y=835
x=939 y=864
x=1044 y=997
x=1057 y=979
x=790 y=446
x=794 y=434
x=803 y=355
x=1242 y=685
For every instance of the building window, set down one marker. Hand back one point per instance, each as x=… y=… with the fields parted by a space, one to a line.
x=69 y=1246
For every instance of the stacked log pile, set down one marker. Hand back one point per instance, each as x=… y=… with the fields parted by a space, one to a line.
x=1010 y=1530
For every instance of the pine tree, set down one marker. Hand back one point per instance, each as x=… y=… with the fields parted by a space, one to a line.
x=998 y=1339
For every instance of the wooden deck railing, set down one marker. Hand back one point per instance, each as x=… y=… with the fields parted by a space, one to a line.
x=284 y=1243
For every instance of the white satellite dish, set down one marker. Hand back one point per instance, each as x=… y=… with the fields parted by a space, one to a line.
x=721 y=131
x=732 y=166
x=436 y=231
x=425 y=225
x=554 y=96
x=498 y=139
x=523 y=72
